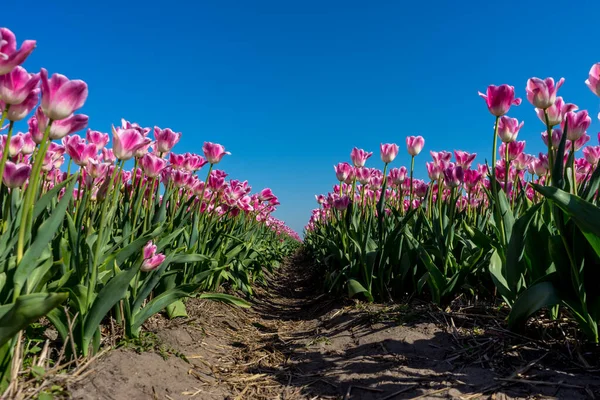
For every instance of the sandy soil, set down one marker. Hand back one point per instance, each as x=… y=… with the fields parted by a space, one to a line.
x=297 y=344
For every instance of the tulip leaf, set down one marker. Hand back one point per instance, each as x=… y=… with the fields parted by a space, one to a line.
x=516 y=248
x=225 y=298
x=45 y=200
x=45 y=233
x=355 y=288
x=25 y=310
x=533 y=299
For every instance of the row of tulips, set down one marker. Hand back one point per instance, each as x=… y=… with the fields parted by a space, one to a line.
x=93 y=238
x=525 y=228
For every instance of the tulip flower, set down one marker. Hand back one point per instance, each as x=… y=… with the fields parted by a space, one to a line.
x=61 y=97
x=499 y=99
x=128 y=125
x=471 y=178
x=362 y=175
x=579 y=143
x=152 y=165
x=127 y=141
x=341 y=203
x=592 y=154
x=28 y=144
x=555 y=140
x=397 y=175
x=441 y=158
x=99 y=139
x=359 y=157
x=508 y=129
x=266 y=195
x=214 y=152
x=342 y=171
x=420 y=188
x=10 y=57
x=320 y=199
x=556 y=112
x=388 y=152
x=15 y=146
x=542 y=92
x=522 y=161
x=166 y=139
x=80 y=152
x=193 y=162
x=17 y=85
x=15 y=175
x=414 y=145
x=434 y=171
x=464 y=159
x=514 y=150
x=108 y=156
x=593 y=81
x=17 y=112
x=578 y=122
x=60 y=128
x=97 y=168
x=453 y=176
x=151 y=260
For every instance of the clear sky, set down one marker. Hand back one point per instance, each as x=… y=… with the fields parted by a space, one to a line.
x=289 y=87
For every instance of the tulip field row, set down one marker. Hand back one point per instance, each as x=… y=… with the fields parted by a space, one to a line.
x=524 y=230
x=122 y=231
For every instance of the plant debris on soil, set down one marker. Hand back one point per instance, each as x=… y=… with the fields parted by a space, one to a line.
x=295 y=343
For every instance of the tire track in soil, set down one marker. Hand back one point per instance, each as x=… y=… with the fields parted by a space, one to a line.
x=295 y=343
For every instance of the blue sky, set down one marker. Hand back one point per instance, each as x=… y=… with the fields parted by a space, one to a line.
x=289 y=87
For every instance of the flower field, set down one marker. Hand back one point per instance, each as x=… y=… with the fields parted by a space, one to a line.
x=101 y=233
x=524 y=229
x=123 y=230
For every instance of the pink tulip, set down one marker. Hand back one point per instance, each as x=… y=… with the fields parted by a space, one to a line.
x=441 y=158
x=128 y=125
x=542 y=92
x=340 y=203
x=514 y=149
x=556 y=136
x=434 y=171
x=108 y=156
x=80 y=152
x=420 y=188
x=499 y=99
x=472 y=178
x=579 y=143
x=166 y=139
x=508 y=129
x=59 y=128
x=177 y=160
x=10 y=57
x=17 y=112
x=266 y=195
x=320 y=199
x=593 y=81
x=359 y=157
x=592 y=154
x=193 y=162
x=151 y=260
x=60 y=96
x=414 y=145
x=97 y=168
x=388 y=152
x=152 y=165
x=16 y=86
x=362 y=175
x=540 y=165
x=453 y=176
x=522 y=162
x=28 y=144
x=556 y=112
x=127 y=141
x=15 y=146
x=578 y=122
x=15 y=175
x=464 y=159
x=397 y=175
x=342 y=171
x=143 y=150
x=99 y=139
x=214 y=152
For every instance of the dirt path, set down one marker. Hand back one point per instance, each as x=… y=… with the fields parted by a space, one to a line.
x=297 y=344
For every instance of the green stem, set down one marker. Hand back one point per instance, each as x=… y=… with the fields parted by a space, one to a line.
x=550 y=153
x=573 y=172
x=6 y=151
x=412 y=167
x=31 y=191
